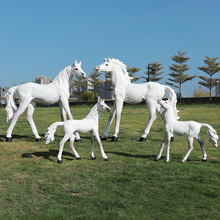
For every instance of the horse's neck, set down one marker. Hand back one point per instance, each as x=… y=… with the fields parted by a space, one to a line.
x=118 y=78
x=94 y=113
x=63 y=79
x=168 y=116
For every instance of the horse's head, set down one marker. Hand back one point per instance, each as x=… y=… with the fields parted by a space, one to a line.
x=77 y=70
x=164 y=104
x=107 y=66
x=103 y=107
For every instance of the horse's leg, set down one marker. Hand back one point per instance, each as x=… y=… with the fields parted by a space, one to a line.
x=201 y=142
x=62 y=142
x=190 y=142
x=168 y=137
x=92 y=145
x=72 y=138
x=118 y=106
x=152 y=116
x=62 y=112
x=64 y=107
x=161 y=149
x=29 y=117
x=21 y=109
x=96 y=133
x=111 y=118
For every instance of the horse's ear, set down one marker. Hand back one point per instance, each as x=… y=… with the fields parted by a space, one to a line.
x=80 y=63
x=75 y=63
x=108 y=59
x=105 y=60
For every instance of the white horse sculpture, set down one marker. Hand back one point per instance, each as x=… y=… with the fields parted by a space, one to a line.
x=89 y=124
x=31 y=93
x=125 y=91
x=190 y=128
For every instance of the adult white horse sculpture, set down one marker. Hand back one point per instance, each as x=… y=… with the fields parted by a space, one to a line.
x=125 y=91
x=190 y=128
x=89 y=124
x=31 y=93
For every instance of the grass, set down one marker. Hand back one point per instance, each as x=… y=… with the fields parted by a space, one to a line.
x=129 y=186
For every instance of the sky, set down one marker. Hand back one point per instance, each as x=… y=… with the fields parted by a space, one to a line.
x=41 y=37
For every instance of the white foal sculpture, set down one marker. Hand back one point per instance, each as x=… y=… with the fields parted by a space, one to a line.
x=31 y=93
x=125 y=91
x=89 y=124
x=189 y=128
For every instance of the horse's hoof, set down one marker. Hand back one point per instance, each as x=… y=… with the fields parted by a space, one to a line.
x=8 y=139
x=78 y=158
x=93 y=158
x=59 y=161
x=79 y=140
x=172 y=139
x=156 y=159
x=114 y=139
x=106 y=159
x=203 y=160
x=104 y=138
x=38 y=139
x=142 y=139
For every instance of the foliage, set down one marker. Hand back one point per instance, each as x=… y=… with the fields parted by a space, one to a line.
x=78 y=85
x=177 y=71
x=96 y=82
x=129 y=186
x=132 y=71
x=212 y=67
x=88 y=96
x=200 y=92
x=154 y=77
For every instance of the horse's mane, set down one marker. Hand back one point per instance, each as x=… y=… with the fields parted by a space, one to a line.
x=122 y=66
x=62 y=77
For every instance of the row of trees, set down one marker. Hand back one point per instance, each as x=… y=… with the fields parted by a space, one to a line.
x=177 y=75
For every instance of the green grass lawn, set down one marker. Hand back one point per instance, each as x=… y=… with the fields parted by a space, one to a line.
x=129 y=186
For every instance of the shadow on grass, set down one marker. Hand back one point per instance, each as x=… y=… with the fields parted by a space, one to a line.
x=131 y=155
x=47 y=155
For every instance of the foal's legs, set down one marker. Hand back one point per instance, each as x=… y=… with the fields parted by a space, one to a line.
x=30 y=112
x=201 y=142
x=21 y=109
x=62 y=142
x=96 y=133
x=152 y=111
x=92 y=144
x=161 y=149
x=190 y=142
x=111 y=118
x=72 y=138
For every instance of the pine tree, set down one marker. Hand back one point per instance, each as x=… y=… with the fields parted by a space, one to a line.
x=132 y=71
x=78 y=86
x=211 y=68
x=177 y=71
x=96 y=82
x=154 y=77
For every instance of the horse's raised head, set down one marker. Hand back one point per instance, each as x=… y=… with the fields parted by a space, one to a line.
x=105 y=67
x=164 y=104
x=103 y=107
x=77 y=70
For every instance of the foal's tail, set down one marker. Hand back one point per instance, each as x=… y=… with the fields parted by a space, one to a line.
x=51 y=130
x=10 y=103
x=213 y=137
x=172 y=99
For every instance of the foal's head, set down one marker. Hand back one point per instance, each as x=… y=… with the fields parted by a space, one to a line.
x=103 y=107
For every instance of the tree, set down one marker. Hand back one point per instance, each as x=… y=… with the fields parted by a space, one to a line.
x=154 y=77
x=177 y=71
x=211 y=68
x=200 y=92
x=132 y=71
x=79 y=86
x=96 y=82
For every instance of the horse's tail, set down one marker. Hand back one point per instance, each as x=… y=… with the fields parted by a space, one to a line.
x=10 y=103
x=213 y=137
x=51 y=130
x=172 y=99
